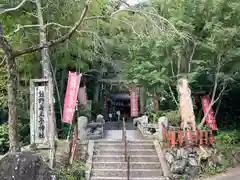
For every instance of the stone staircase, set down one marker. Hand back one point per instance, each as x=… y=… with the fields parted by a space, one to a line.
x=108 y=161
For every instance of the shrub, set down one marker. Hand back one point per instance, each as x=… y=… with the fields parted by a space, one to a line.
x=76 y=172
x=4 y=141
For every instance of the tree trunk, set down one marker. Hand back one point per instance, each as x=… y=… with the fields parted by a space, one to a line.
x=97 y=85
x=142 y=100
x=47 y=73
x=155 y=102
x=12 y=95
x=96 y=92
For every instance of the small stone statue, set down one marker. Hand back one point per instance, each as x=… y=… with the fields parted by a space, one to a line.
x=100 y=119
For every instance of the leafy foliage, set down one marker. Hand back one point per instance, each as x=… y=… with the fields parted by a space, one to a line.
x=76 y=172
x=4 y=138
x=151 y=46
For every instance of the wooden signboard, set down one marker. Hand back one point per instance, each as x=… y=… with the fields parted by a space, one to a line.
x=39 y=111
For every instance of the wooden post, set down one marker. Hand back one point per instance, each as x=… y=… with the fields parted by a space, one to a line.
x=74 y=137
x=186 y=138
x=206 y=137
x=201 y=138
x=211 y=138
x=180 y=138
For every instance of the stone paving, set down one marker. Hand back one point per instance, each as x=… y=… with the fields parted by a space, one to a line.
x=117 y=135
x=118 y=126
x=113 y=131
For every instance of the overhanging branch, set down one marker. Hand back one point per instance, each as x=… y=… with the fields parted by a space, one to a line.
x=59 y=40
x=14 y=8
x=78 y=24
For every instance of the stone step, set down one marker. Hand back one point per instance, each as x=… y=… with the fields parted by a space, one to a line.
x=122 y=152
x=121 y=142
x=123 y=172
x=110 y=146
x=122 y=178
x=123 y=165
x=121 y=158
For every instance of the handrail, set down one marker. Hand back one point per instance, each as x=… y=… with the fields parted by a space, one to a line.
x=123 y=127
x=124 y=139
x=127 y=157
x=128 y=167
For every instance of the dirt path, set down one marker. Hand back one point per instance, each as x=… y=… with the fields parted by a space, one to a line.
x=231 y=174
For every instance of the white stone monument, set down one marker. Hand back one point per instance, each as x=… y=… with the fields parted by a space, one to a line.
x=39 y=111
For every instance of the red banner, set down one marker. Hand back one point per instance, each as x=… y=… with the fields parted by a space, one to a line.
x=134 y=102
x=82 y=95
x=71 y=96
x=210 y=121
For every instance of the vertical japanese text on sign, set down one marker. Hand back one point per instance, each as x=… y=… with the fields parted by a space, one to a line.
x=40 y=112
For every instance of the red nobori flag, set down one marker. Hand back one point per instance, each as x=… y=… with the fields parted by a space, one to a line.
x=71 y=96
x=134 y=102
x=210 y=121
x=82 y=95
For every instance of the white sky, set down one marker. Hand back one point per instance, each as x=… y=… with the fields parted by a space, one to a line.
x=132 y=2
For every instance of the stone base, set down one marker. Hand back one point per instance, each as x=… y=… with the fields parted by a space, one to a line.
x=188 y=162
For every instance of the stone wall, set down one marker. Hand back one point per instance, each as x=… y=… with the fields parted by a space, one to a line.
x=191 y=161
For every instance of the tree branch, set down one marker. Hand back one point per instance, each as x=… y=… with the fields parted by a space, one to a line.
x=19 y=27
x=59 y=40
x=78 y=24
x=213 y=94
x=14 y=8
x=173 y=96
x=3 y=60
x=191 y=57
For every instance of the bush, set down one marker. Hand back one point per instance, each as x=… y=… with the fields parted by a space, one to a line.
x=4 y=141
x=226 y=141
x=173 y=117
x=76 y=172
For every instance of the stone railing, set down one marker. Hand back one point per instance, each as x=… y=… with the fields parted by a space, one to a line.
x=87 y=130
x=148 y=130
x=94 y=130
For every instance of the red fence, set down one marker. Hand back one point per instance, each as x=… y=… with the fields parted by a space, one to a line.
x=186 y=138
